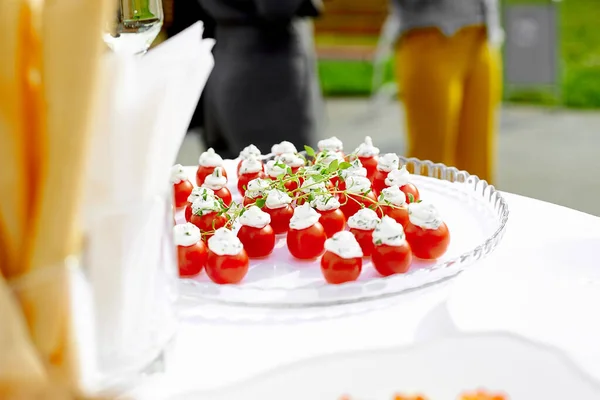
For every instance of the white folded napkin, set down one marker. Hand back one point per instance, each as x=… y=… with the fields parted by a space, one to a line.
x=144 y=114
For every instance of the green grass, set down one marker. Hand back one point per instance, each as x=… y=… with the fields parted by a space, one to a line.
x=579 y=50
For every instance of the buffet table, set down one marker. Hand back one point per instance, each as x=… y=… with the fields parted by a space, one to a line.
x=214 y=352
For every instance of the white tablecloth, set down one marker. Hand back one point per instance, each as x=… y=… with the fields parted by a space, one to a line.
x=208 y=354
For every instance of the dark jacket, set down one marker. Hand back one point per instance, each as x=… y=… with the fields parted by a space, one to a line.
x=261 y=90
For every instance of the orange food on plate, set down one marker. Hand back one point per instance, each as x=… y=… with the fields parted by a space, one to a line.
x=480 y=395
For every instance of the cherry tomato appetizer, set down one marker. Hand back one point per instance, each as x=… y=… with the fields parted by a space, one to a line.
x=426 y=233
x=393 y=204
x=191 y=251
x=401 y=178
x=248 y=152
x=227 y=260
x=364 y=239
x=333 y=221
x=256 y=234
x=352 y=203
x=208 y=223
x=391 y=253
x=306 y=237
x=242 y=184
x=280 y=218
x=217 y=182
x=342 y=260
x=203 y=172
x=182 y=187
x=428 y=244
x=389 y=260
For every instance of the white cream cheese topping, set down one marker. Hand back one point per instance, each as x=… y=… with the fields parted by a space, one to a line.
x=344 y=244
x=291 y=160
x=216 y=180
x=310 y=185
x=177 y=174
x=277 y=199
x=366 y=149
x=398 y=177
x=186 y=234
x=255 y=218
x=424 y=215
x=251 y=165
x=225 y=243
x=356 y=169
x=358 y=184
x=331 y=144
x=388 y=232
x=199 y=192
x=304 y=217
x=393 y=195
x=325 y=202
x=274 y=170
x=250 y=151
x=202 y=206
x=388 y=162
x=365 y=219
x=257 y=187
x=210 y=159
x=283 y=147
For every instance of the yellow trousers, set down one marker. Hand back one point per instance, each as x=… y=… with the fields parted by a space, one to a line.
x=451 y=88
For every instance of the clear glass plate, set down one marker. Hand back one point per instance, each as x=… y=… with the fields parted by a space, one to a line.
x=476 y=215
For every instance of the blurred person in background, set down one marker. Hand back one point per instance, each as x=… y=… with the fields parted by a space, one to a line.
x=448 y=67
x=263 y=87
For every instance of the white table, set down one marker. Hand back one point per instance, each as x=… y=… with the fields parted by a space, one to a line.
x=211 y=354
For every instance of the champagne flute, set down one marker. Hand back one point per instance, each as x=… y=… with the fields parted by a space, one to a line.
x=136 y=25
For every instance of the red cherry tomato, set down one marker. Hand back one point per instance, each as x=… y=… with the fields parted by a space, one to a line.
x=379 y=181
x=370 y=164
x=225 y=195
x=208 y=223
x=427 y=244
x=227 y=269
x=307 y=244
x=188 y=212
x=280 y=218
x=352 y=203
x=182 y=191
x=244 y=179
x=364 y=239
x=389 y=260
x=258 y=242
x=338 y=270
x=333 y=221
x=410 y=189
x=203 y=172
x=191 y=259
x=399 y=214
